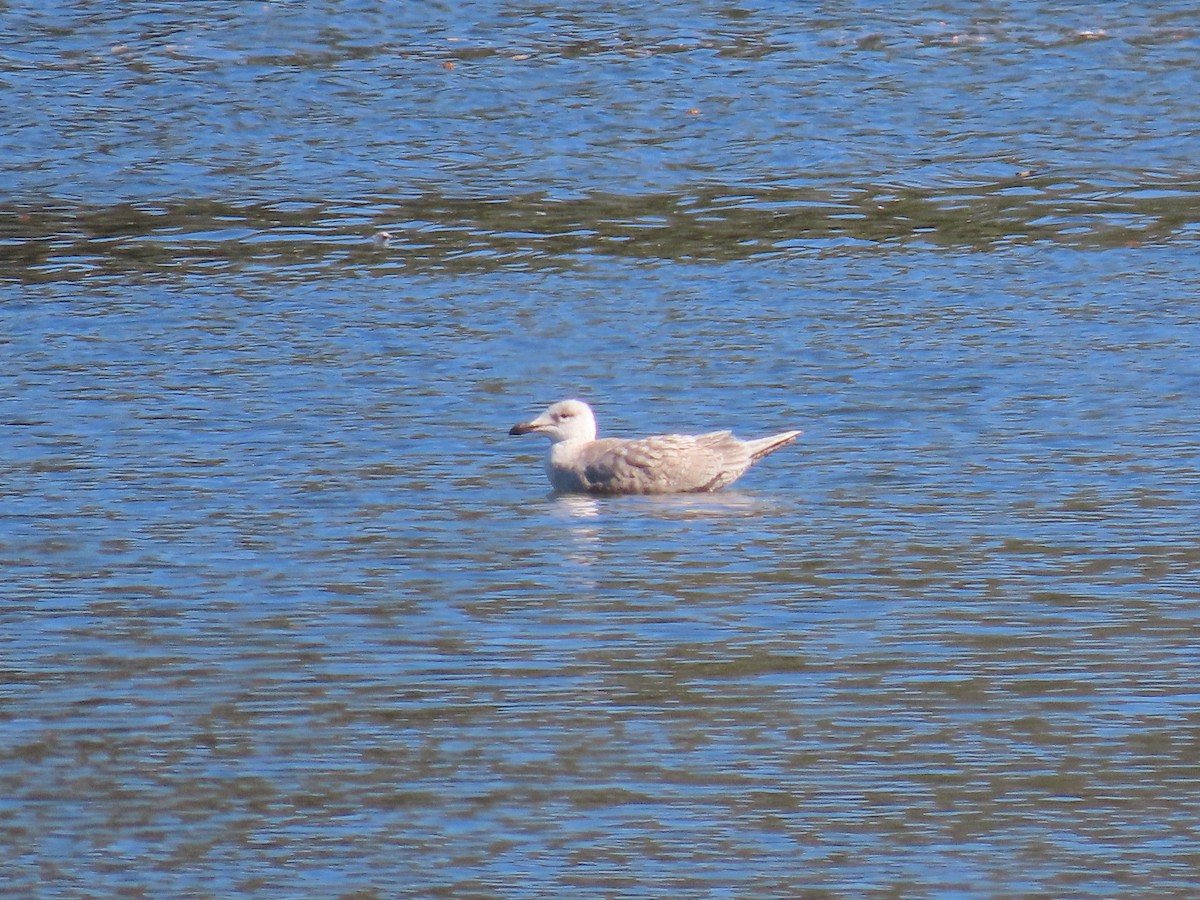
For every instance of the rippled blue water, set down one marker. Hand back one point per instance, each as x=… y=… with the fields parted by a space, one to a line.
x=286 y=612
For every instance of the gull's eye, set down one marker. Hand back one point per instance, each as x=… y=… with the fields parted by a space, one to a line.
x=565 y=414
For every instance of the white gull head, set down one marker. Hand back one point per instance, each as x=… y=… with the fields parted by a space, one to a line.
x=564 y=421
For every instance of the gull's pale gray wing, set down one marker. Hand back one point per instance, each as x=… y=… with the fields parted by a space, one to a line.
x=761 y=447
x=663 y=464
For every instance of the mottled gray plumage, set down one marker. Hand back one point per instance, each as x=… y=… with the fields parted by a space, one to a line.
x=664 y=464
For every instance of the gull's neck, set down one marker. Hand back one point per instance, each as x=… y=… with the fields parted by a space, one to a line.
x=566 y=448
x=580 y=436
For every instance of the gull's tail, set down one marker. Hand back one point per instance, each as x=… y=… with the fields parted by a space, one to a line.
x=763 y=446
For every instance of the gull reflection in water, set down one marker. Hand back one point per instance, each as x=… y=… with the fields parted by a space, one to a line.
x=591 y=522
x=664 y=506
x=583 y=527
x=578 y=506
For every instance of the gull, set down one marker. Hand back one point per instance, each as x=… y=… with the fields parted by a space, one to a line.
x=663 y=464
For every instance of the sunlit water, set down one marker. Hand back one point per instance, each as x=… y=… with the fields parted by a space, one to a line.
x=288 y=613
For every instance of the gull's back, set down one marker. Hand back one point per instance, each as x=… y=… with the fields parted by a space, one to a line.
x=663 y=464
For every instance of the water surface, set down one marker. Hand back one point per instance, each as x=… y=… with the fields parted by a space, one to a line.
x=287 y=613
